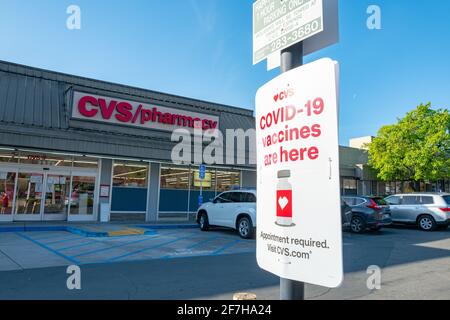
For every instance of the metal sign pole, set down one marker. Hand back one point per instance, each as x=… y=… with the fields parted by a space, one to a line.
x=201 y=176
x=201 y=189
x=292 y=58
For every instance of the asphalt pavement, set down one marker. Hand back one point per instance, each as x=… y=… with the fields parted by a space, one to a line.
x=414 y=265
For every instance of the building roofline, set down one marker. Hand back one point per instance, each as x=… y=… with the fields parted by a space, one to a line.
x=30 y=71
x=358 y=149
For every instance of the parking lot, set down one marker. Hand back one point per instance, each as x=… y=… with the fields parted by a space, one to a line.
x=27 y=250
x=190 y=264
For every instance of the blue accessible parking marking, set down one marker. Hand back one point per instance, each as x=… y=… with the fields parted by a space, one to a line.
x=111 y=248
x=90 y=242
x=71 y=259
x=202 y=242
x=219 y=248
x=62 y=240
x=146 y=249
x=100 y=250
x=225 y=247
x=64 y=248
x=54 y=236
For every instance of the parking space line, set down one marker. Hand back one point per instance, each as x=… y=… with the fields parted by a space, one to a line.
x=63 y=240
x=114 y=247
x=11 y=259
x=98 y=242
x=52 y=237
x=202 y=242
x=150 y=237
x=194 y=255
x=149 y=248
x=225 y=247
x=71 y=259
x=193 y=246
x=79 y=245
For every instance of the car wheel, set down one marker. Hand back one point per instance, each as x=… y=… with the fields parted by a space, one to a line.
x=245 y=228
x=357 y=225
x=426 y=223
x=203 y=221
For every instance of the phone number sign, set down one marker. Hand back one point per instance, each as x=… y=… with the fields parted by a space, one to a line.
x=279 y=24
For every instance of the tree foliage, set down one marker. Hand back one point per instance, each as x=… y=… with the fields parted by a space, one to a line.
x=417 y=148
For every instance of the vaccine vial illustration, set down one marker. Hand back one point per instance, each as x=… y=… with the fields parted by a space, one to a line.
x=284 y=199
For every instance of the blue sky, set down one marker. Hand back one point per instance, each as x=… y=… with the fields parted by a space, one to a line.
x=203 y=49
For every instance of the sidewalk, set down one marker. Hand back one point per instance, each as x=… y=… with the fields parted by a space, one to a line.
x=96 y=229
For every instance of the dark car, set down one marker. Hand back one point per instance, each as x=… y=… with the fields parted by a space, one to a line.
x=346 y=214
x=368 y=213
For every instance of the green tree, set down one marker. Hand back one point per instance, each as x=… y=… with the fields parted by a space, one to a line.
x=417 y=148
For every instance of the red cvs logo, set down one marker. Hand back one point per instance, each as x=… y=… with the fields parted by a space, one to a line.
x=284 y=95
x=284 y=203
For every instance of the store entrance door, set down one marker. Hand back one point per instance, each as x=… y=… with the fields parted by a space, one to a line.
x=49 y=191
x=42 y=195
x=29 y=196
x=56 y=197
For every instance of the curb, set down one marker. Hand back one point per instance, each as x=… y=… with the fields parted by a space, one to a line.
x=168 y=226
x=149 y=230
x=31 y=229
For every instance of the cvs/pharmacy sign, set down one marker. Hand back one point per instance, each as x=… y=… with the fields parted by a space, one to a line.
x=123 y=112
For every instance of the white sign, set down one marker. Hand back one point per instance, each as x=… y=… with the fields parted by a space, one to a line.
x=328 y=37
x=104 y=191
x=52 y=180
x=298 y=210
x=92 y=107
x=279 y=24
x=36 y=179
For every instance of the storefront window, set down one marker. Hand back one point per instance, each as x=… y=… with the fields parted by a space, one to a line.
x=349 y=187
x=85 y=162
x=175 y=178
x=29 y=193
x=374 y=190
x=130 y=174
x=408 y=187
x=381 y=188
x=207 y=184
x=174 y=190
x=45 y=159
x=82 y=196
x=390 y=188
x=9 y=156
x=180 y=188
x=56 y=197
x=227 y=180
x=7 y=182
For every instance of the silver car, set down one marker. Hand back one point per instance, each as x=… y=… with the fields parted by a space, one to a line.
x=427 y=210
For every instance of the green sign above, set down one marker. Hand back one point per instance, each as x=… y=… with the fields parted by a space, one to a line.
x=279 y=24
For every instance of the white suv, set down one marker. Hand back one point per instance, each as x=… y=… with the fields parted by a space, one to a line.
x=230 y=209
x=427 y=210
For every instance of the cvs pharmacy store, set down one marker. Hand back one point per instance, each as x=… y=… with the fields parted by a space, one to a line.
x=71 y=146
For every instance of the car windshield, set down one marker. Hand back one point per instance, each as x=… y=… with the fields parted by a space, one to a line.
x=447 y=199
x=380 y=201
